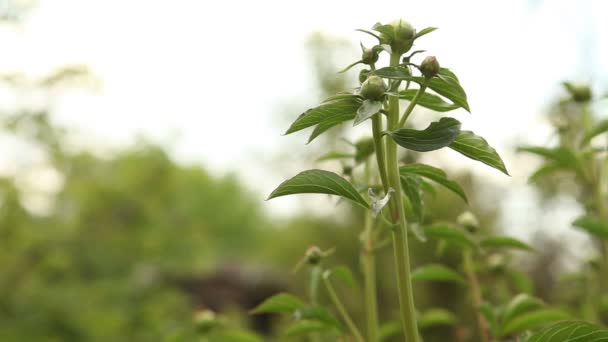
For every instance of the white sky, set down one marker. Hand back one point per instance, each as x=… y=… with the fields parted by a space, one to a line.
x=216 y=71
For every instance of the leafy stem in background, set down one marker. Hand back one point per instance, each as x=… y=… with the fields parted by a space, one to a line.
x=341 y=309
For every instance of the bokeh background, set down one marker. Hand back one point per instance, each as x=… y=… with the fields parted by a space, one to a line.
x=139 y=139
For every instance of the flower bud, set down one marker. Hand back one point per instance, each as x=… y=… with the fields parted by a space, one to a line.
x=579 y=92
x=363 y=75
x=373 y=88
x=403 y=36
x=205 y=320
x=468 y=221
x=429 y=67
x=369 y=56
x=313 y=255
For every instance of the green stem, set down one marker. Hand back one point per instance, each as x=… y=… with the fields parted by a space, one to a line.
x=345 y=316
x=369 y=270
x=412 y=104
x=313 y=288
x=469 y=269
x=400 y=238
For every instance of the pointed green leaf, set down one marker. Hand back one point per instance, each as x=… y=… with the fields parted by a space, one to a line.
x=593 y=225
x=533 y=319
x=598 y=128
x=344 y=274
x=489 y=314
x=370 y=33
x=427 y=100
x=344 y=105
x=349 y=67
x=236 y=336
x=447 y=85
x=319 y=182
x=504 y=242
x=477 y=148
x=367 y=110
x=437 y=135
x=437 y=272
x=561 y=157
x=450 y=234
x=436 y=317
x=304 y=327
x=335 y=155
x=435 y=174
x=329 y=123
x=521 y=282
x=320 y=314
x=281 y=302
x=544 y=171
x=396 y=73
x=571 y=331
x=424 y=31
x=519 y=305
x=387 y=30
x=413 y=191
x=388 y=330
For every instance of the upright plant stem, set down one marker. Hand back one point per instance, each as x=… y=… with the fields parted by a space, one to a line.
x=313 y=292
x=484 y=331
x=369 y=270
x=342 y=310
x=400 y=238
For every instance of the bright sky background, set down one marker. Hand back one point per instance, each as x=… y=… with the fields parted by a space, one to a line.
x=215 y=73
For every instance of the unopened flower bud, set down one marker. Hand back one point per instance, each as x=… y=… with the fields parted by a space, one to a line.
x=363 y=75
x=403 y=36
x=579 y=92
x=369 y=56
x=468 y=221
x=429 y=67
x=313 y=255
x=373 y=88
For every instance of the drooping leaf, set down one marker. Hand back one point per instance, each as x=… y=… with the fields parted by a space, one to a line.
x=328 y=123
x=437 y=135
x=436 y=317
x=370 y=33
x=562 y=157
x=437 y=272
x=427 y=100
x=544 y=171
x=532 y=320
x=343 y=105
x=593 y=225
x=335 y=155
x=598 y=128
x=396 y=73
x=477 y=148
x=435 y=174
x=519 y=305
x=570 y=331
x=304 y=327
x=319 y=182
x=424 y=31
x=450 y=234
x=447 y=85
x=281 y=302
x=504 y=242
x=344 y=274
x=413 y=191
x=489 y=314
x=521 y=282
x=349 y=67
x=318 y=313
x=367 y=110
x=341 y=96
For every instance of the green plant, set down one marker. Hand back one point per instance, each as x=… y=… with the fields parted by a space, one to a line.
x=378 y=99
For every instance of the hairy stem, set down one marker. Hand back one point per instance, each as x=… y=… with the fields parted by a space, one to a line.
x=342 y=310
x=400 y=238
x=368 y=263
x=482 y=325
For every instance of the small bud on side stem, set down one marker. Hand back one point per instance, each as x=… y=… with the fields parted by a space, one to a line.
x=429 y=67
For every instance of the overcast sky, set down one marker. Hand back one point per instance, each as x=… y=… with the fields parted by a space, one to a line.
x=215 y=72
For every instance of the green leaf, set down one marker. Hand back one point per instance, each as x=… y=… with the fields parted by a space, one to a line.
x=413 y=191
x=570 y=331
x=598 y=128
x=364 y=148
x=388 y=330
x=367 y=110
x=387 y=30
x=592 y=225
x=344 y=274
x=328 y=123
x=436 y=175
x=437 y=272
x=447 y=85
x=304 y=327
x=519 y=305
x=427 y=100
x=348 y=67
x=342 y=106
x=319 y=182
x=236 y=336
x=437 y=135
x=341 y=96
x=563 y=158
x=396 y=73
x=533 y=320
x=281 y=302
x=436 y=317
x=521 y=282
x=504 y=242
x=335 y=155
x=424 y=31
x=450 y=234
x=489 y=314
x=370 y=33
x=320 y=314
x=544 y=171
x=477 y=148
